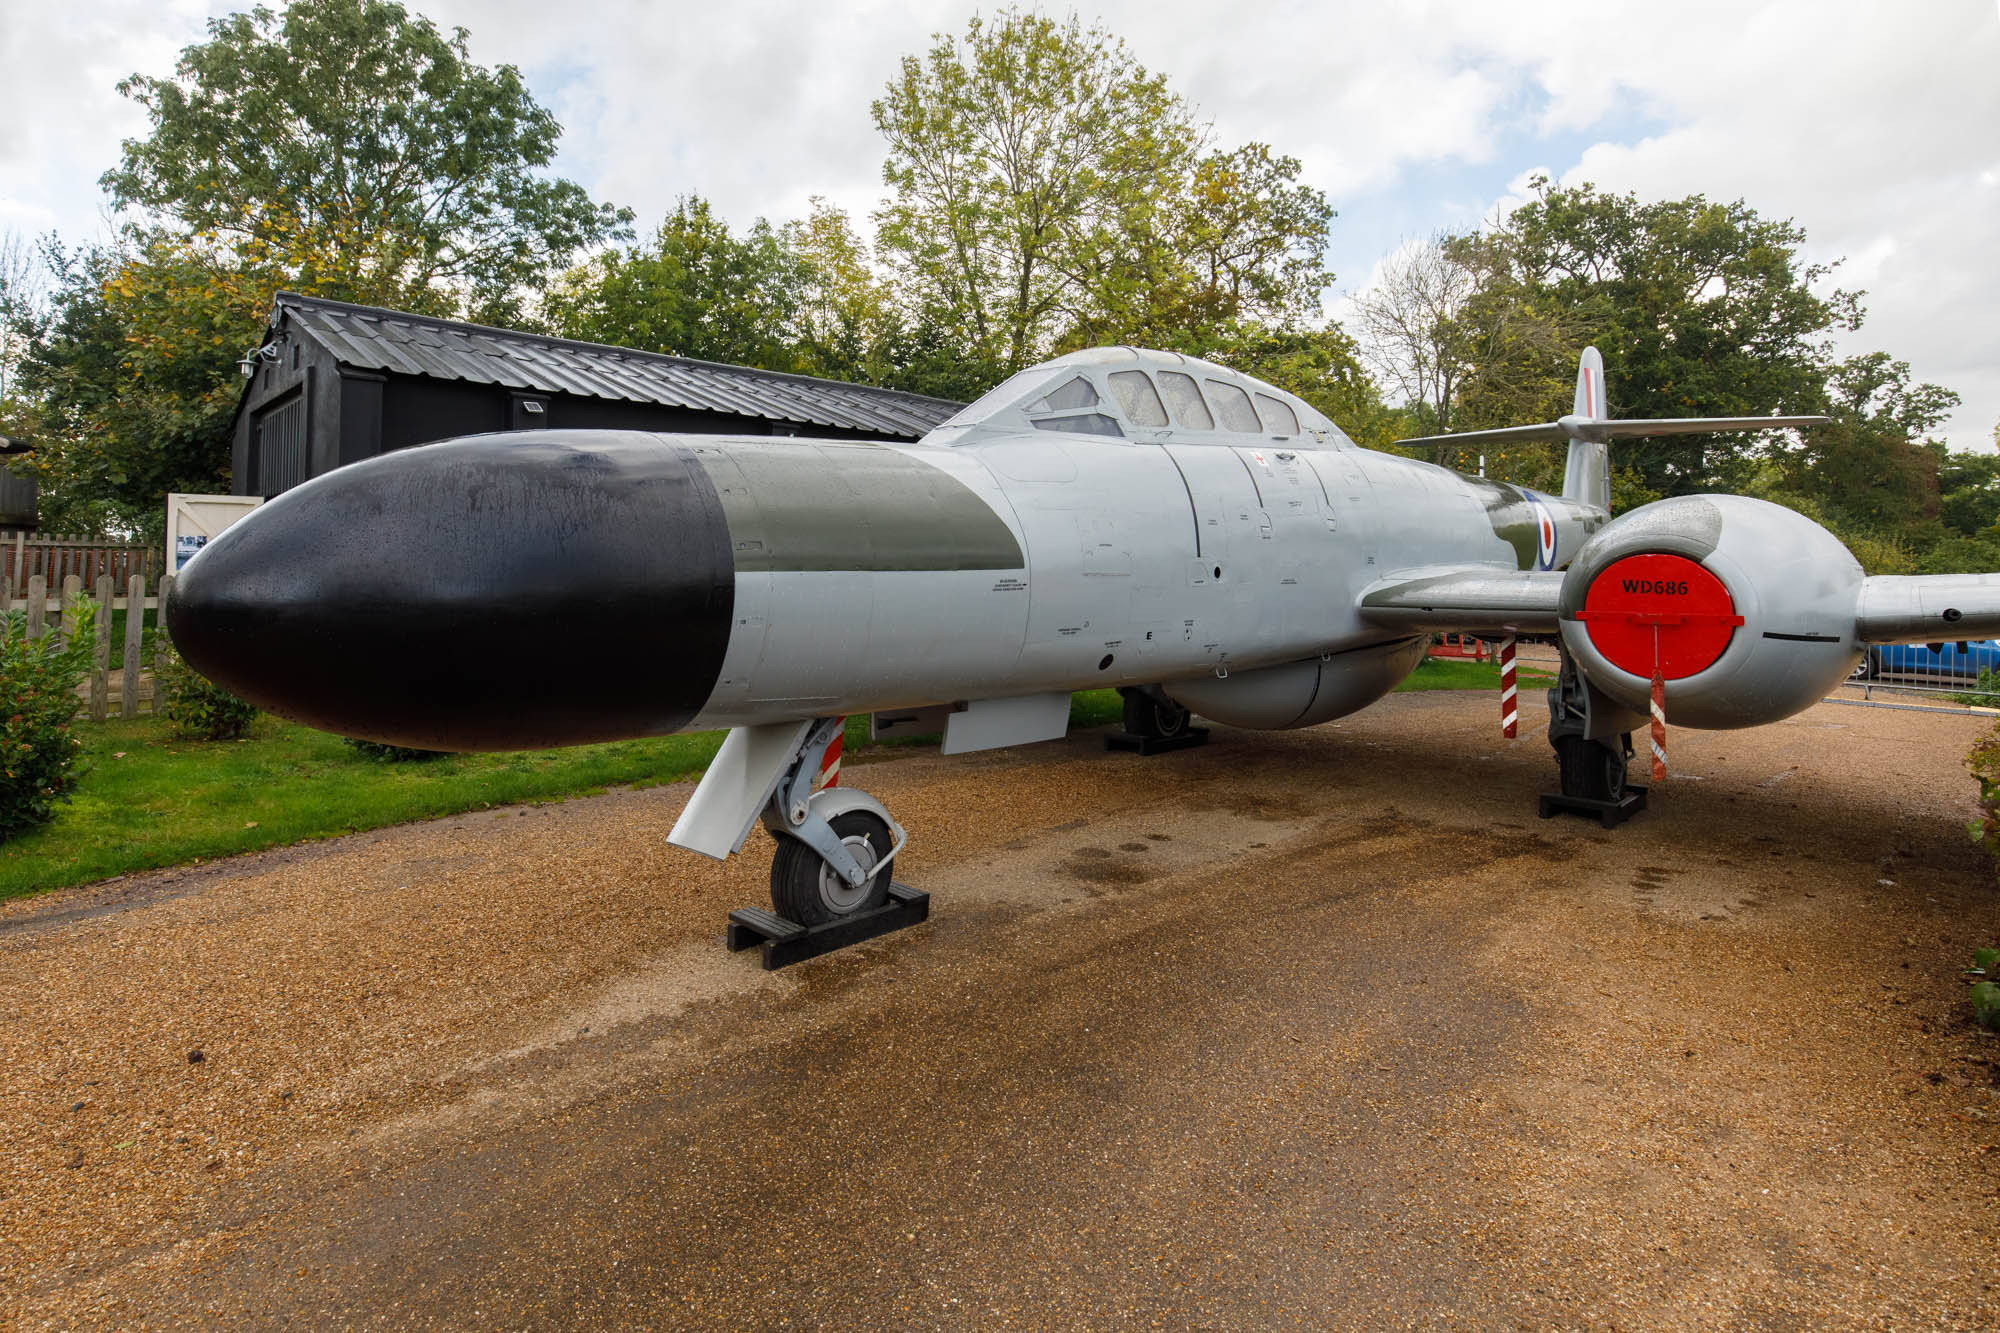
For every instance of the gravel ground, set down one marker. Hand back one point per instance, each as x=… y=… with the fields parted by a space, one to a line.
x=1316 y=1029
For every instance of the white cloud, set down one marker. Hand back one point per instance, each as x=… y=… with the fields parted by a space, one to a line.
x=1870 y=128
x=61 y=118
x=1874 y=127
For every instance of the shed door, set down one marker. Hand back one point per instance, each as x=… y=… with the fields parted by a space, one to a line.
x=280 y=445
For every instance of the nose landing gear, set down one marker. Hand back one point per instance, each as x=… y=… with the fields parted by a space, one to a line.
x=832 y=876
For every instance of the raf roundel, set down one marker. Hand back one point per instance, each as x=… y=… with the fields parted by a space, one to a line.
x=1545 y=534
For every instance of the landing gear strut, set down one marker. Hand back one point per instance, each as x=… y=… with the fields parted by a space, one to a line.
x=1593 y=743
x=1154 y=723
x=836 y=845
x=1152 y=715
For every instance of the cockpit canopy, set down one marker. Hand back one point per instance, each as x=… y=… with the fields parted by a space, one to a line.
x=1132 y=393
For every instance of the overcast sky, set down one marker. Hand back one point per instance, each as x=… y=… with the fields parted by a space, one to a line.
x=1875 y=126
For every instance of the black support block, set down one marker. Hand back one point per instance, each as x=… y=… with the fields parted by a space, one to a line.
x=1608 y=813
x=1125 y=740
x=786 y=942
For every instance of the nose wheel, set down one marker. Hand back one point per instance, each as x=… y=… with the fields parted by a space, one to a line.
x=833 y=873
x=807 y=889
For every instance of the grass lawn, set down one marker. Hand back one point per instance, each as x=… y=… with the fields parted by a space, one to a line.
x=150 y=800
x=1450 y=673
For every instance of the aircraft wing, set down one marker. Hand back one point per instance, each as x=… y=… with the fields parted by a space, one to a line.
x=1892 y=608
x=1928 y=608
x=1501 y=600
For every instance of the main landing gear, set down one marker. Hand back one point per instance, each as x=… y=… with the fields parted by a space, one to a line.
x=1593 y=744
x=833 y=874
x=1154 y=723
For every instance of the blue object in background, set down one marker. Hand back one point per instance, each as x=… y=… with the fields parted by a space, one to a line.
x=1916 y=659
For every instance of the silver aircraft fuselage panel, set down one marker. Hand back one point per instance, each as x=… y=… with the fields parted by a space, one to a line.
x=873 y=577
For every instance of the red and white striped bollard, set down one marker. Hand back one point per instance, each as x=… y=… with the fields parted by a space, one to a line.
x=1509 y=710
x=1659 y=726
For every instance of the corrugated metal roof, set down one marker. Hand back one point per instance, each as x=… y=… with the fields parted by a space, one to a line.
x=405 y=344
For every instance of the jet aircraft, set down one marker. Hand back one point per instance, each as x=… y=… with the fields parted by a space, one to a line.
x=1204 y=542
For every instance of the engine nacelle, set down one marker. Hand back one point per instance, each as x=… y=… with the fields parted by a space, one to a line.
x=1300 y=694
x=1747 y=608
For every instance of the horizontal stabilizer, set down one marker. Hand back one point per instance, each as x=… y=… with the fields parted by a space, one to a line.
x=1598 y=432
x=1500 y=600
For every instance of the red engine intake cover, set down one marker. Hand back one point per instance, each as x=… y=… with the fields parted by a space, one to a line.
x=1664 y=609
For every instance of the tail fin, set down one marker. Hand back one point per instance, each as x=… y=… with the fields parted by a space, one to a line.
x=1587 y=475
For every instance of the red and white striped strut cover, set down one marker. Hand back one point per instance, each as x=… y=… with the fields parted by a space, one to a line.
x=829 y=767
x=1509 y=711
x=1659 y=727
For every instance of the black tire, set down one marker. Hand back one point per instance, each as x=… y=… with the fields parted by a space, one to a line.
x=1590 y=770
x=1150 y=717
x=804 y=890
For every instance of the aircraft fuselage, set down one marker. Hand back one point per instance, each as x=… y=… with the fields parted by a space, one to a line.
x=883 y=576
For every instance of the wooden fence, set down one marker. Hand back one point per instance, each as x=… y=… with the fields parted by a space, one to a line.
x=87 y=559
x=45 y=615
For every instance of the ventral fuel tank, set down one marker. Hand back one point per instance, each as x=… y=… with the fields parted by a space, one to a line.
x=1300 y=694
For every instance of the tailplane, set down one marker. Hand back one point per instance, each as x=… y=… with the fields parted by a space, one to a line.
x=1589 y=427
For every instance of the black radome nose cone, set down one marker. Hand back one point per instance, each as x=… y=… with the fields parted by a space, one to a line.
x=500 y=592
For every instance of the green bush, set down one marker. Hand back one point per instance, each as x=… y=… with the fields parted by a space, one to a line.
x=1985 y=994
x=40 y=759
x=1984 y=764
x=1986 y=1004
x=1985 y=692
x=393 y=754
x=198 y=707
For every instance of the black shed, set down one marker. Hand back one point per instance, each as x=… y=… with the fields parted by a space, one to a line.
x=335 y=383
x=18 y=494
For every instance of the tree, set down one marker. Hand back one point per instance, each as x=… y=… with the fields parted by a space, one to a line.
x=1241 y=244
x=1050 y=193
x=695 y=289
x=1253 y=237
x=1700 y=309
x=1902 y=503
x=133 y=377
x=1413 y=331
x=23 y=293
x=1871 y=469
x=132 y=374
x=846 y=324
x=346 y=149
x=363 y=126
x=1968 y=492
x=1030 y=165
x=1466 y=349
